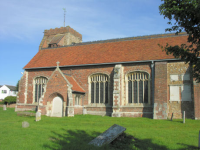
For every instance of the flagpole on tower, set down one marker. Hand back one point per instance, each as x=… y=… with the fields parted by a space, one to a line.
x=64 y=15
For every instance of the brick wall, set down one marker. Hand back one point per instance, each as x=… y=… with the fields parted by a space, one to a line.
x=160 y=97
x=57 y=86
x=81 y=75
x=21 y=92
x=31 y=76
x=196 y=100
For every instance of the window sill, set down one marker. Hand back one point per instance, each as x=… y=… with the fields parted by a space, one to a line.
x=78 y=106
x=178 y=101
x=137 y=105
x=97 y=105
x=33 y=104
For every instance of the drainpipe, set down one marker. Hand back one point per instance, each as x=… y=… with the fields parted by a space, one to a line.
x=152 y=81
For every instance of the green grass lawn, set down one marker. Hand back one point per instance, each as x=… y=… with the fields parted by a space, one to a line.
x=76 y=132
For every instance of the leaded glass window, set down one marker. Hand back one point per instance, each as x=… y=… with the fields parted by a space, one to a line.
x=99 y=88
x=138 y=87
x=40 y=83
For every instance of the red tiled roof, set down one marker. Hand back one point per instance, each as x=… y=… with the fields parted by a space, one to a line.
x=76 y=86
x=110 y=52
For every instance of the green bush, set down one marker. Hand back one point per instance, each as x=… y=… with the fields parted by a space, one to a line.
x=1 y=102
x=10 y=99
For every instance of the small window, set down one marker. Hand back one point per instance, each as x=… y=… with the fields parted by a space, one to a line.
x=4 y=91
x=77 y=100
x=40 y=84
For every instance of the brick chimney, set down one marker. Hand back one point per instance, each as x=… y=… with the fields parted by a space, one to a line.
x=60 y=37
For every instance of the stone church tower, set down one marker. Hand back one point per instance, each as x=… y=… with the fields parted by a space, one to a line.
x=60 y=37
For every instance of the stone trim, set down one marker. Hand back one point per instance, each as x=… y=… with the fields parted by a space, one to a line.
x=116 y=90
x=136 y=105
x=137 y=112
x=70 y=107
x=102 y=106
x=102 y=113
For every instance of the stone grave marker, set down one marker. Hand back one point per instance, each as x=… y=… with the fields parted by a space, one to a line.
x=25 y=124
x=108 y=136
x=4 y=107
x=84 y=111
x=183 y=116
x=38 y=116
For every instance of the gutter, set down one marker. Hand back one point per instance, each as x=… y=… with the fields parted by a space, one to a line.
x=113 y=63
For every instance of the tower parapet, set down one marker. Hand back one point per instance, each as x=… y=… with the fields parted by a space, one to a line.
x=60 y=37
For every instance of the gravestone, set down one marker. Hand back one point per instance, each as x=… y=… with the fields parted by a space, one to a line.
x=25 y=124
x=108 y=136
x=38 y=116
x=57 y=107
x=183 y=116
x=84 y=111
x=4 y=107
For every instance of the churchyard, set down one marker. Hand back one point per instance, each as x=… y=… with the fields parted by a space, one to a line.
x=76 y=132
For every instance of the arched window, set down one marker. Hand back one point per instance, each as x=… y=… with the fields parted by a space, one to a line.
x=40 y=83
x=99 y=88
x=138 y=87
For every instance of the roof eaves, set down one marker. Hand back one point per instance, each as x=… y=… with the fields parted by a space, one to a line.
x=128 y=62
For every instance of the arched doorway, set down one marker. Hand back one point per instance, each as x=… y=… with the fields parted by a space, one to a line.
x=57 y=107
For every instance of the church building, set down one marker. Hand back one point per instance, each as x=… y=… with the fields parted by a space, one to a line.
x=126 y=77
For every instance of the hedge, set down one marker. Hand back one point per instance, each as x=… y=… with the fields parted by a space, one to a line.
x=10 y=99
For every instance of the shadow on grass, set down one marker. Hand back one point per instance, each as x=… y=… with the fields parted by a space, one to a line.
x=79 y=139
x=188 y=147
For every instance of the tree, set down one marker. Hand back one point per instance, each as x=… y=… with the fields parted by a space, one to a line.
x=17 y=86
x=184 y=15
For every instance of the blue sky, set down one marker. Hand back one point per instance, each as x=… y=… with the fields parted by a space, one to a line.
x=24 y=21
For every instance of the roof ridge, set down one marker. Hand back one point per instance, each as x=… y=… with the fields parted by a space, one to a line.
x=9 y=85
x=153 y=36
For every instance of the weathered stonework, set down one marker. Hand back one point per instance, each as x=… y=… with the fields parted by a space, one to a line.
x=70 y=107
x=67 y=35
x=179 y=70
x=116 y=91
